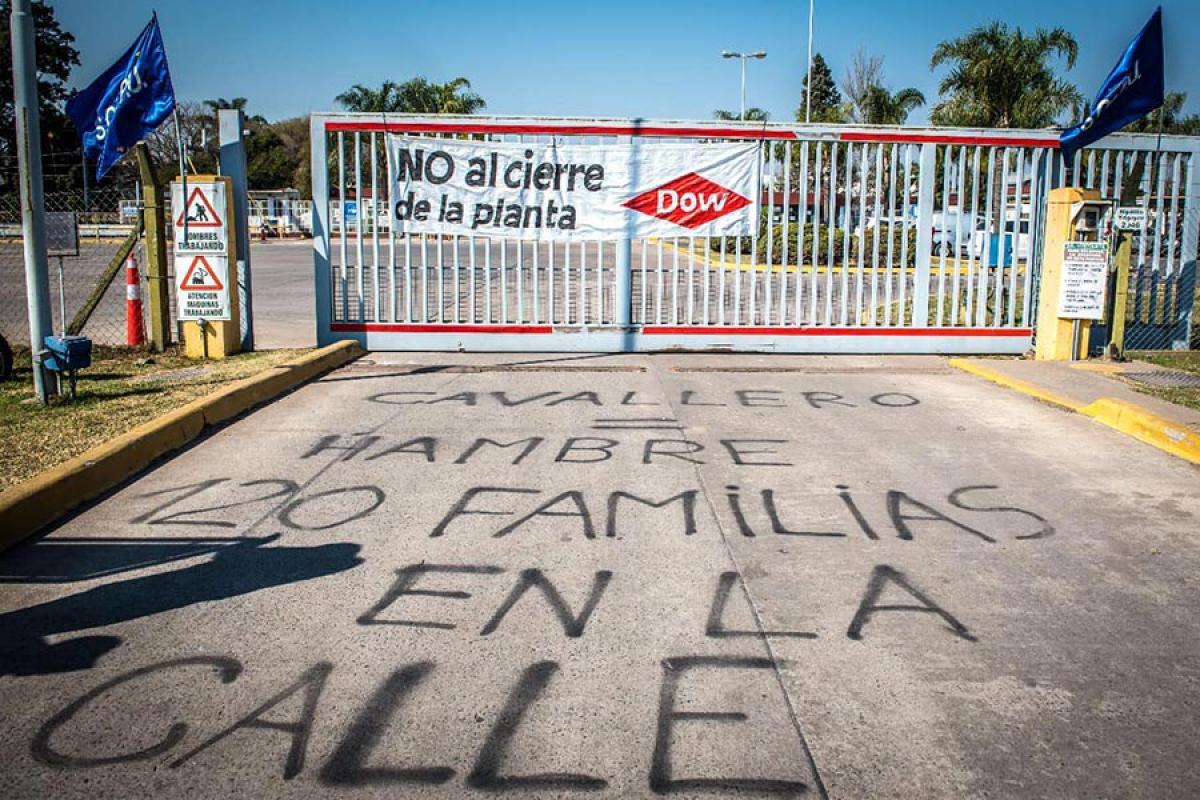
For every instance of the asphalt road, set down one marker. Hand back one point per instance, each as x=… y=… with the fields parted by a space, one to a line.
x=284 y=305
x=452 y=575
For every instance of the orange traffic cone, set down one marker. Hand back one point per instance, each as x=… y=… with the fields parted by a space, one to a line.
x=135 y=326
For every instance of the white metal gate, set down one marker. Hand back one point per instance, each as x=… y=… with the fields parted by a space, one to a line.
x=871 y=239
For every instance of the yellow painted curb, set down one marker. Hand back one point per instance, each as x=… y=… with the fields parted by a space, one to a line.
x=1120 y=415
x=1135 y=421
x=30 y=506
x=1102 y=367
x=1024 y=387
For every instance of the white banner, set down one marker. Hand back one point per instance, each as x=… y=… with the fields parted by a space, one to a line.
x=541 y=191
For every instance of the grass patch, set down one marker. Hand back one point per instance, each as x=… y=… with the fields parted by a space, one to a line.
x=123 y=388
x=1184 y=361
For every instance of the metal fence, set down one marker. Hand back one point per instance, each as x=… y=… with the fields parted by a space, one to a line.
x=279 y=217
x=1165 y=182
x=103 y=223
x=870 y=239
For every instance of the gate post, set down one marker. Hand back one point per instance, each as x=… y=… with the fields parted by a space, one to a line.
x=623 y=285
x=623 y=269
x=920 y=301
x=1191 y=241
x=320 y=229
x=233 y=164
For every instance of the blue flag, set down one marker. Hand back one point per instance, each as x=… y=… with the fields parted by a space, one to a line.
x=126 y=103
x=1132 y=90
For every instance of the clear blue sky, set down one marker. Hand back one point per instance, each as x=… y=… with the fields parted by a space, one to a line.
x=617 y=58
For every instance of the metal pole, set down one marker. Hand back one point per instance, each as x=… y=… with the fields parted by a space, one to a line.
x=33 y=210
x=62 y=297
x=742 y=113
x=83 y=158
x=808 y=78
x=155 y=224
x=182 y=178
x=230 y=123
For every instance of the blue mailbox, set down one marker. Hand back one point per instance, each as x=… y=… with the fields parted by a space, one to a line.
x=66 y=355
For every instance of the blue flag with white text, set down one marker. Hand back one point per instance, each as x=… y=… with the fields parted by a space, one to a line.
x=126 y=103
x=1132 y=90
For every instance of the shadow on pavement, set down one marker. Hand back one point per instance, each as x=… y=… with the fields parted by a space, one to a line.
x=234 y=570
x=66 y=559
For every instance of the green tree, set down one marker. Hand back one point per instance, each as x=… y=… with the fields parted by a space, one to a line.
x=294 y=135
x=1001 y=78
x=269 y=164
x=56 y=55
x=416 y=96
x=868 y=101
x=826 y=99
x=1170 y=118
x=881 y=107
x=753 y=114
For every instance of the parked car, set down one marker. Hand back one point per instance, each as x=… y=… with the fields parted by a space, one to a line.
x=950 y=227
x=1016 y=235
x=883 y=222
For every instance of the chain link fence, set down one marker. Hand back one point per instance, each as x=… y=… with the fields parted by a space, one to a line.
x=104 y=223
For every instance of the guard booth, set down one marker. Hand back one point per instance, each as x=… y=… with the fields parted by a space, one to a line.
x=857 y=239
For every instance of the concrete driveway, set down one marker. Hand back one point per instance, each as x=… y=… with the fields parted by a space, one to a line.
x=444 y=575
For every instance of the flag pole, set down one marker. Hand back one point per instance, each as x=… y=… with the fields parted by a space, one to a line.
x=182 y=178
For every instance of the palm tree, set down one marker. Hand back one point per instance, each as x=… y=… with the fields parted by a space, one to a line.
x=1001 y=78
x=239 y=103
x=416 y=96
x=881 y=107
x=753 y=114
x=1170 y=118
x=221 y=102
x=456 y=97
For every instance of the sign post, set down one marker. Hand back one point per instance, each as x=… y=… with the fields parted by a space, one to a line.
x=1075 y=254
x=205 y=302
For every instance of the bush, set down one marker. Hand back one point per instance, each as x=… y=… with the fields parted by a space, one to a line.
x=822 y=233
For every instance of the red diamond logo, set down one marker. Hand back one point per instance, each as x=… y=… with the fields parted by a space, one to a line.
x=689 y=201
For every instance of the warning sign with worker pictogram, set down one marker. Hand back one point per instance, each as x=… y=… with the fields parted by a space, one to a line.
x=206 y=230
x=201 y=287
x=200 y=277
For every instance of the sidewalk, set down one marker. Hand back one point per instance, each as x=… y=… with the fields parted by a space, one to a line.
x=1092 y=388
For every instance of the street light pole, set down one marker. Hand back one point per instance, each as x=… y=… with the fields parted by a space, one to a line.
x=808 y=73
x=33 y=207
x=742 y=109
x=743 y=57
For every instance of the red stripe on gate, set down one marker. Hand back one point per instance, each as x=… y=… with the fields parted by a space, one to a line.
x=682 y=330
x=946 y=138
x=716 y=330
x=387 y=327
x=578 y=130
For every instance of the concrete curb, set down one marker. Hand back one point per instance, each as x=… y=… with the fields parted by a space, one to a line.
x=1120 y=415
x=30 y=506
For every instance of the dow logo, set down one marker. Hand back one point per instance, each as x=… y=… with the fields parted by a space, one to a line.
x=688 y=201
